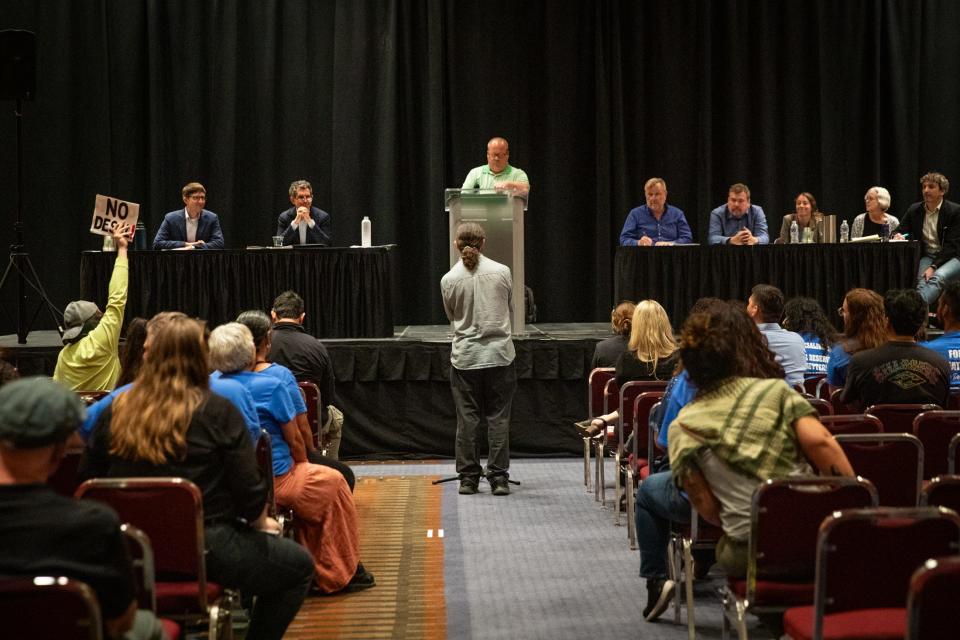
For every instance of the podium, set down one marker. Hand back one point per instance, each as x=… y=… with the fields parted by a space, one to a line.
x=501 y=215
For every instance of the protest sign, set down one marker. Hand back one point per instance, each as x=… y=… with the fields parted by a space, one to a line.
x=109 y=212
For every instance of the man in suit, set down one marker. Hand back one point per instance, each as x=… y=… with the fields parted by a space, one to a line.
x=303 y=223
x=935 y=222
x=192 y=227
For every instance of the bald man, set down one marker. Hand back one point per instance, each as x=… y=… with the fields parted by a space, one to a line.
x=498 y=173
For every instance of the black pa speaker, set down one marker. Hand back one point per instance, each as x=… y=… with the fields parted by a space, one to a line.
x=18 y=64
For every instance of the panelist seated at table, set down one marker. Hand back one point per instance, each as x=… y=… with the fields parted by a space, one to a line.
x=656 y=222
x=805 y=214
x=876 y=201
x=738 y=221
x=192 y=227
x=303 y=223
x=498 y=173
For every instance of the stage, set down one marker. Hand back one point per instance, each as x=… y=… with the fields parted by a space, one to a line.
x=395 y=392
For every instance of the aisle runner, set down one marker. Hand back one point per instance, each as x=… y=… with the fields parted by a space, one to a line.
x=396 y=514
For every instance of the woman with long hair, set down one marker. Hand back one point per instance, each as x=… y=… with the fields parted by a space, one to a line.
x=805 y=214
x=170 y=424
x=864 y=327
x=651 y=355
x=806 y=317
x=608 y=350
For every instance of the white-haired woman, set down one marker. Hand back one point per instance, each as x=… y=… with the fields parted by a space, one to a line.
x=877 y=201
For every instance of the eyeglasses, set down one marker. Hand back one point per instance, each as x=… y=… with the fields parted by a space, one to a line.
x=198 y=197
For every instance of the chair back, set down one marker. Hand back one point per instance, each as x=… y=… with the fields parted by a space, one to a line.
x=898 y=418
x=596 y=384
x=611 y=395
x=90 y=397
x=141 y=555
x=49 y=607
x=865 y=557
x=642 y=406
x=264 y=453
x=311 y=397
x=838 y=406
x=932 y=599
x=811 y=384
x=893 y=462
x=785 y=516
x=935 y=429
x=852 y=423
x=823 y=407
x=952 y=454
x=65 y=479
x=170 y=512
x=942 y=491
x=953 y=400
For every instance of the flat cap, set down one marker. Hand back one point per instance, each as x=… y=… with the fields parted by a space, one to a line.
x=38 y=411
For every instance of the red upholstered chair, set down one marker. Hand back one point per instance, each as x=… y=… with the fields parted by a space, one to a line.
x=64 y=480
x=823 y=407
x=838 y=406
x=596 y=384
x=141 y=554
x=852 y=423
x=942 y=491
x=865 y=559
x=637 y=473
x=953 y=400
x=932 y=600
x=684 y=540
x=311 y=396
x=611 y=401
x=893 y=462
x=170 y=512
x=935 y=429
x=49 y=607
x=283 y=515
x=785 y=516
x=639 y=454
x=898 y=418
x=811 y=385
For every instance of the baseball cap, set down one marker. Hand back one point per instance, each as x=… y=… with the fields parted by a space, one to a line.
x=38 y=411
x=76 y=318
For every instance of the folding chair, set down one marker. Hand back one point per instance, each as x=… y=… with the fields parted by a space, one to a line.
x=684 y=540
x=311 y=396
x=932 y=600
x=639 y=428
x=893 y=462
x=865 y=559
x=170 y=512
x=49 y=607
x=942 y=491
x=596 y=384
x=785 y=516
x=935 y=429
x=852 y=423
x=898 y=418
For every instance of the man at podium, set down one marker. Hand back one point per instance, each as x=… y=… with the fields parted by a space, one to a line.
x=497 y=173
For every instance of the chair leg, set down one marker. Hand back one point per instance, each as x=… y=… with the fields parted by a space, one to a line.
x=586 y=463
x=688 y=588
x=617 y=487
x=597 y=463
x=631 y=509
x=602 y=461
x=673 y=571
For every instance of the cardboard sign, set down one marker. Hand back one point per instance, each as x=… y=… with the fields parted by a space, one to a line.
x=109 y=212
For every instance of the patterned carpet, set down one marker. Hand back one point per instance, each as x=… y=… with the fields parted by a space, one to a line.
x=396 y=515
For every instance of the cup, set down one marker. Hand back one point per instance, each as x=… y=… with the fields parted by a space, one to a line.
x=278 y=241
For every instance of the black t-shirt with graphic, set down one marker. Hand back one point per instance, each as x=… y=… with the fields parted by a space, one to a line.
x=897 y=373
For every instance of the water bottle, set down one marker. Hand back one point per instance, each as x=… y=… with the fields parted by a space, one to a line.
x=808 y=236
x=844 y=232
x=794 y=232
x=108 y=245
x=884 y=231
x=365 y=232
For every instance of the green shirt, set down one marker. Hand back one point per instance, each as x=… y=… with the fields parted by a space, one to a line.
x=483 y=178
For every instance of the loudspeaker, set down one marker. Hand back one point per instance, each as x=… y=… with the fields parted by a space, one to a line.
x=18 y=64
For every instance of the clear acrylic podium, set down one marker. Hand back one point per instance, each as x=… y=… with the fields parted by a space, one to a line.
x=501 y=215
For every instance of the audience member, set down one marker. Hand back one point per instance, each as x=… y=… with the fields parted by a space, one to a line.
x=806 y=216
x=806 y=317
x=192 y=227
x=765 y=307
x=170 y=424
x=43 y=533
x=307 y=358
x=320 y=497
x=864 y=327
x=259 y=324
x=935 y=222
x=656 y=222
x=304 y=223
x=608 y=350
x=131 y=354
x=877 y=201
x=899 y=371
x=498 y=173
x=738 y=432
x=948 y=345
x=88 y=360
x=738 y=221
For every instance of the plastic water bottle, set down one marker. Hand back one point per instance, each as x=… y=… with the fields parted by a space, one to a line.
x=365 y=232
x=884 y=231
x=794 y=232
x=108 y=245
x=844 y=232
x=808 y=235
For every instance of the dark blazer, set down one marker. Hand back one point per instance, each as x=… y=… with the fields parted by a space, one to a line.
x=948 y=229
x=319 y=234
x=173 y=231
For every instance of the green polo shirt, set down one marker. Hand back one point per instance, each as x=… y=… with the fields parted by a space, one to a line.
x=482 y=178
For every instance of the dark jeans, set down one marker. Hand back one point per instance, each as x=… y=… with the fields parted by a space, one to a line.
x=316 y=457
x=658 y=504
x=276 y=570
x=483 y=395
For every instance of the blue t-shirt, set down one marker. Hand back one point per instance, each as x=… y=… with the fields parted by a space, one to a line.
x=837 y=363
x=286 y=376
x=274 y=408
x=948 y=345
x=680 y=392
x=817 y=356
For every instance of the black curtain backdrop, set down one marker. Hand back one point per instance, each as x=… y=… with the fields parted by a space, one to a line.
x=381 y=105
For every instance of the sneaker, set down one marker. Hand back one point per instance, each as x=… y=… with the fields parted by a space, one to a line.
x=468 y=486
x=499 y=486
x=659 y=592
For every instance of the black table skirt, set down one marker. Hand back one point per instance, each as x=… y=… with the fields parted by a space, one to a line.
x=677 y=276
x=347 y=291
